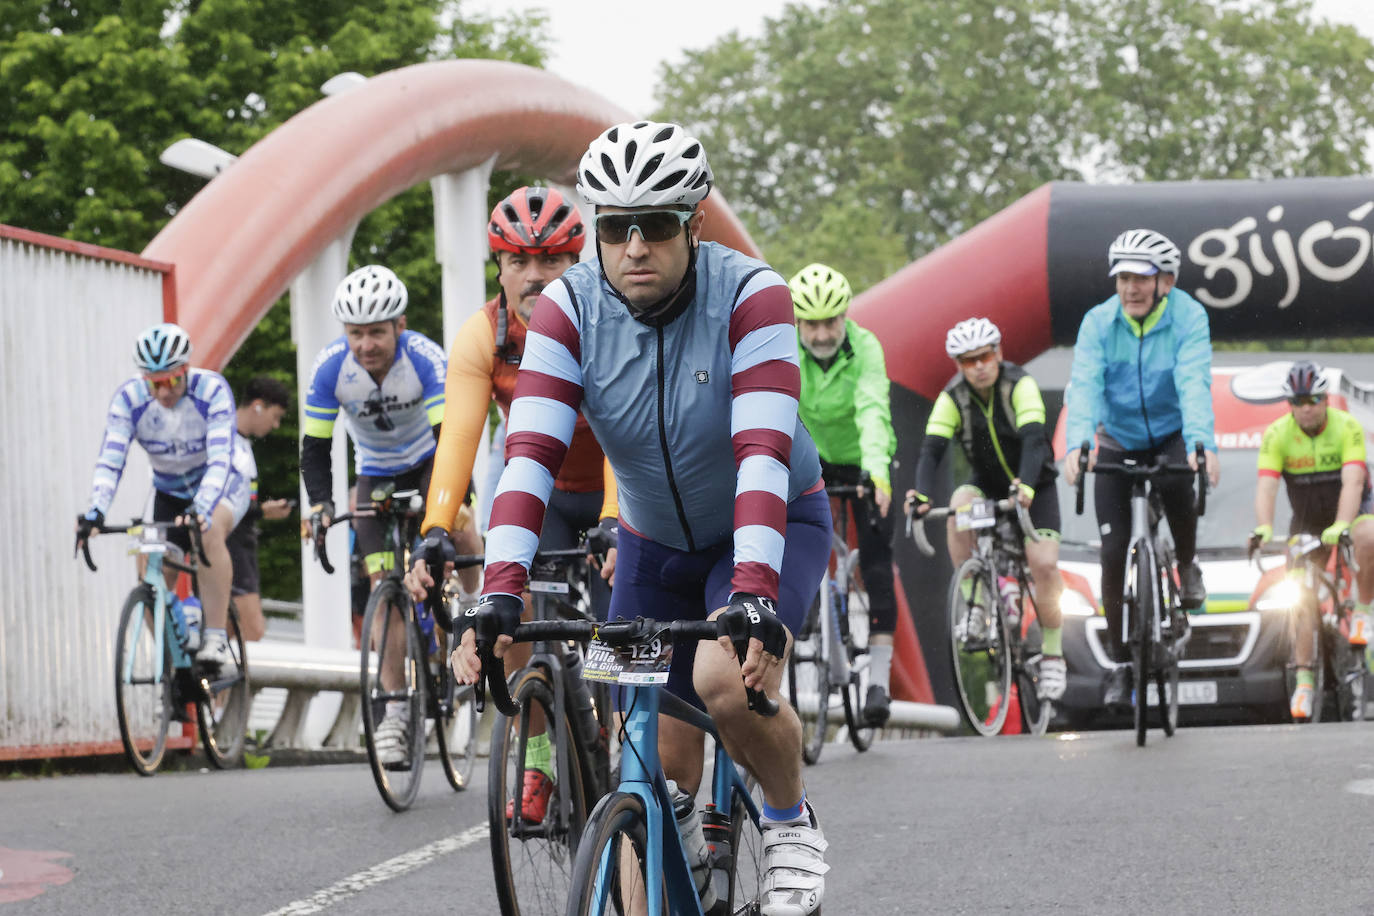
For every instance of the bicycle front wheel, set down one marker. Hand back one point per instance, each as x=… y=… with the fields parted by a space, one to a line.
x=222 y=703
x=610 y=875
x=853 y=641
x=143 y=683
x=534 y=833
x=808 y=678
x=978 y=642
x=1140 y=605
x=455 y=729
x=393 y=694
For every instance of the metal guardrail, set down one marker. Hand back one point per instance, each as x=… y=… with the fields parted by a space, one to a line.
x=305 y=671
x=904 y=714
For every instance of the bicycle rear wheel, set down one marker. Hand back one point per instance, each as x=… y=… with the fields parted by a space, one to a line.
x=222 y=704
x=1035 y=711
x=1348 y=668
x=532 y=861
x=747 y=871
x=1140 y=605
x=978 y=641
x=390 y=631
x=610 y=875
x=143 y=683
x=808 y=678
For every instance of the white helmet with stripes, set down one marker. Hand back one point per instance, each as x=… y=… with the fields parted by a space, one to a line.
x=644 y=164
x=369 y=295
x=971 y=334
x=161 y=348
x=1144 y=252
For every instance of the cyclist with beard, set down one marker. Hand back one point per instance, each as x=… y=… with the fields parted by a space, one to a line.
x=534 y=235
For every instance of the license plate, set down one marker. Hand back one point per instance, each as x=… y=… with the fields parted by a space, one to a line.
x=1190 y=693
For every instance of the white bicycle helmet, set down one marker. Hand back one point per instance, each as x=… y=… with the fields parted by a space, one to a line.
x=369 y=295
x=971 y=334
x=1142 y=251
x=161 y=348
x=644 y=164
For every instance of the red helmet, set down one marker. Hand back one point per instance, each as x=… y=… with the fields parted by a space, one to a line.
x=535 y=220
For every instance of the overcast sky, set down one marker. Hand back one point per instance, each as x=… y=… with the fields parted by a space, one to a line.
x=614 y=47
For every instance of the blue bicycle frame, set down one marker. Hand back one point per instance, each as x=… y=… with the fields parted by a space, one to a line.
x=641 y=774
x=162 y=623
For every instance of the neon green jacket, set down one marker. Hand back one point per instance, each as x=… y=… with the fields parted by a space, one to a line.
x=846 y=407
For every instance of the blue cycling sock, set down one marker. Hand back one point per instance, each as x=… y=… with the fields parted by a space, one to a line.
x=793 y=815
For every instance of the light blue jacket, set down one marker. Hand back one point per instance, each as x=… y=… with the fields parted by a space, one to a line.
x=1143 y=384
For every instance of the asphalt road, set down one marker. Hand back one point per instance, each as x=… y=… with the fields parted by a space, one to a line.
x=1243 y=820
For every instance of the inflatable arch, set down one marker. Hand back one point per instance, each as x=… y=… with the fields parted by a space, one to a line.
x=240 y=241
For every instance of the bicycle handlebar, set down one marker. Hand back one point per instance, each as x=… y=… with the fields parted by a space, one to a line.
x=192 y=528
x=916 y=525
x=616 y=633
x=863 y=490
x=1159 y=468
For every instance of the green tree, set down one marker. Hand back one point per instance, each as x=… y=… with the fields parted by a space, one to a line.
x=853 y=127
x=96 y=89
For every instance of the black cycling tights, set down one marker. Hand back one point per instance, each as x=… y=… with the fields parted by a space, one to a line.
x=875 y=549
x=1112 y=494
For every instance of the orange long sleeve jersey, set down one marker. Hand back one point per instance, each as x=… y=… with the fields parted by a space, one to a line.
x=476 y=376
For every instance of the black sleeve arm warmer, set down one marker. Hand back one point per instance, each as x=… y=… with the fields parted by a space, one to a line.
x=316 y=470
x=932 y=450
x=436 y=427
x=1035 y=448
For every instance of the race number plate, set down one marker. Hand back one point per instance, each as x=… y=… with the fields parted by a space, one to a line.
x=548 y=587
x=1190 y=693
x=981 y=513
x=645 y=663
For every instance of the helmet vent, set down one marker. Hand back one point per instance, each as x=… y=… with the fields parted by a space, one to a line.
x=649 y=168
x=663 y=134
x=609 y=166
x=631 y=149
x=671 y=180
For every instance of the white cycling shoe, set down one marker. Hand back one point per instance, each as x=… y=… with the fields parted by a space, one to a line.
x=391 y=742
x=794 y=857
x=1054 y=677
x=215 y=657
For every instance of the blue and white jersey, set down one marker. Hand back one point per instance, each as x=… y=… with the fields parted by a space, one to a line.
x=390 y=423
x=189 y=444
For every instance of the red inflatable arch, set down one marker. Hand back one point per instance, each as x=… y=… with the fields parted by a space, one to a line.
x=240 y=241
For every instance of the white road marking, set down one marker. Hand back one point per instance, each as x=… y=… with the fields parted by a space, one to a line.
x=391 y=868
x=1360 y=786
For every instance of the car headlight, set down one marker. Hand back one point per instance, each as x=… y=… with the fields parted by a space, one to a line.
x=1072 y=602
x=1281 y=596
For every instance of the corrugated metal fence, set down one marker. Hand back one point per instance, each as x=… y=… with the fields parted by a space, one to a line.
x=68 y=317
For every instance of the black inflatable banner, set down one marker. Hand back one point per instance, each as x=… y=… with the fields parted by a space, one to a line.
x=1269 y=259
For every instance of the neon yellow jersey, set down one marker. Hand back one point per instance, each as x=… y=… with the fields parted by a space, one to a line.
x=1311 y=465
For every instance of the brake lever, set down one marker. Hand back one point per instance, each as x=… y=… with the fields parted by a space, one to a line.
x=86 y=553
x=739 y=637
x=494 y=675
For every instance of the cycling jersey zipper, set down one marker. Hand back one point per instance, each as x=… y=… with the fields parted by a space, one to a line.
x=1140 y=383
x=667 y=459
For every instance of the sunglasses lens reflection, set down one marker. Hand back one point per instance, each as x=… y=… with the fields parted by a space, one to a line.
x=653 y=226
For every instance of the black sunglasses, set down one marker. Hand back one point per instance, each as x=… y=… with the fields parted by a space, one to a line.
x=375 y=406
x=1307 y=400
x=652 y=225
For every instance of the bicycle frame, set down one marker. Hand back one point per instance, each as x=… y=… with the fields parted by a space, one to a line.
x=164 y=636
x=1142 y=544
x=641 y=774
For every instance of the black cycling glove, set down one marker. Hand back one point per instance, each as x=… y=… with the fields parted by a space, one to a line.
x=602 y=539
x=436 y=550
x=753 y=616
x=493 y=616
x=85 y=524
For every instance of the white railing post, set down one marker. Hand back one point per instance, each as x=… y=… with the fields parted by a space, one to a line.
x=460 y=247
x=326 y=598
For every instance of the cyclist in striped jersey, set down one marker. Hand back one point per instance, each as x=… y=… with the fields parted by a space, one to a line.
x=389 y=383
x=682 y=356
x=184 y=419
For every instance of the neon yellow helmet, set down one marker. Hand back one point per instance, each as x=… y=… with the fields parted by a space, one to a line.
x=820 y=292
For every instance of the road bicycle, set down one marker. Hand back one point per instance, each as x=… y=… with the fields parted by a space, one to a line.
x=630 y=852
x=156 y=676
x=1323 y=579
x=994 y=628
x=1153 y=621
x=398 y=630
x=532 y=858
x=828 y=667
